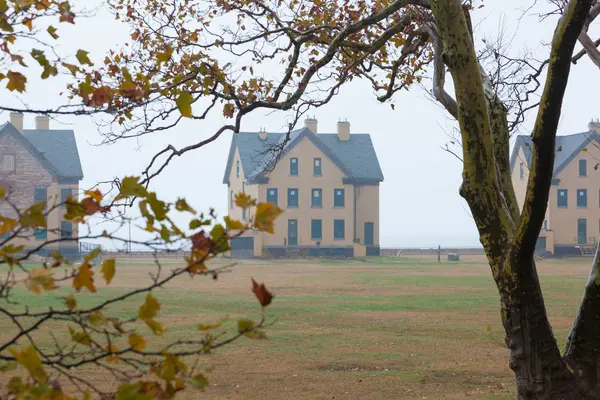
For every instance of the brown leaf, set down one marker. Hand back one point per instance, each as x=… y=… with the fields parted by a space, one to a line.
x=262 y=294
x=202 y=242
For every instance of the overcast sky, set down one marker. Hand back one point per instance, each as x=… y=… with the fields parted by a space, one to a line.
x=419 y=201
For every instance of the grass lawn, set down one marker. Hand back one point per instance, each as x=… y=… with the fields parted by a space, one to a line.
x=376 y=328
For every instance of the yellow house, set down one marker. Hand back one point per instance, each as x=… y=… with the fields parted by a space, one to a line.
x=38 y=165
x=327 y=185
x=572 y=224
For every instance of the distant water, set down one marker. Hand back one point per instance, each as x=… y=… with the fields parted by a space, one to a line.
x=430 y=241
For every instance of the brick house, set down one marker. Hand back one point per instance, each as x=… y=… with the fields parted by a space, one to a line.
x=40 y=164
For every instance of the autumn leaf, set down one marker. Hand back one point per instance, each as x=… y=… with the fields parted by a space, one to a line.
x=112 y=349
x=210 y=327
x=73 y=69
x=70 y=302
x=83 y=58
x=108 y=270
x=156 y=326
x=16 y=81
x=200 y=241
x=80 y=337
x=130 y=187
x=182 y=205
x=265 y=216
x=34 y=217
x=30 y=359
x=262 y=294
x=97 y=319
x=149 y=309
x=84 y=278
x=137 y=342
x=40 y=279
x=245 y=325
x=7 y=225
x=233 y=224
x=228 y=110
x=198 y=381
x=184 y=104
x=52 y=32
x=244 y=200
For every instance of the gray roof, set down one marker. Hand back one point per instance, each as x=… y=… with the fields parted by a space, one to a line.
x=355 y=157
x=567 y=147
x=58 y=148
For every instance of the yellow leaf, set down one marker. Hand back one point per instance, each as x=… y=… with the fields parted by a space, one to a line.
x=244 y=200
x=74 y=69
x=137 y=342
x=233 y=224
x=156 y=326
x=94 y=194
x=30 y=359
x=70 y=302
x=16 y=81
x=184 y=104
x=83 y=58
x=40 y=279
x=130 y=187
x=7 y=225
x=92 y=254
x=2 y=190
x=80 y=337
x=34 y=217
x=265 y=216
x=149 y=309
x=84 y=278
x=97 y=319
x=52 y=31
x=584 y=149
x=228 y=110
x=108 y=270
x=489 y=328
x=210 y=327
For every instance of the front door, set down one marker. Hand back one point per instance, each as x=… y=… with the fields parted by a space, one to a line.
x=369 y=233
x=581 y=231
x=292 y=232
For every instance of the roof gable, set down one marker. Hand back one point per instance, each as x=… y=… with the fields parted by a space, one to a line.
x=567 y=147
x=56 y=150
x=356 y=157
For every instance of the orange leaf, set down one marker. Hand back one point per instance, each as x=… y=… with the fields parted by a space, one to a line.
x=84 y=278
x=262 y=294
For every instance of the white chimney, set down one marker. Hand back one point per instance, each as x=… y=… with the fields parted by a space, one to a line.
x=262 y=134
x=594 y=126
x=42 y=122
x=343 y=130
x=16 y=119
x=311 y=124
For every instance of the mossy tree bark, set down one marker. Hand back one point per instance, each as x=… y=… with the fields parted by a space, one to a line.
x=507 y=234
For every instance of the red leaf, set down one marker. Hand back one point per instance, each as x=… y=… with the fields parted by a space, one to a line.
x=393 y=106
x=262 y=294
x=202 y=242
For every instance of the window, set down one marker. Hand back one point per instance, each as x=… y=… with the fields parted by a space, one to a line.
x=316 y=229
x=294 y=166
x=562 y=200
x=243 y=187
x=66 y=230
x=292 y=198
x=272 y=195
x=231 y=199
x=317 y=198
x=338 y=229
x=582 y=167
x=41 y=234
x=338 y=198
x=317 y=167
x=581 y=197
x=522 y=171
x=237 y=168
x=40 y=194
x=7 y=163
x=64 y=195
x=243 y=214
x=545 y=225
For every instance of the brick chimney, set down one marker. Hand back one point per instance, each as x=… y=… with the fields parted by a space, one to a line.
x=16 y=119
x=262 y=134
x=42 y=122
x=343 y=130
x=594 y=126
x=311 y=124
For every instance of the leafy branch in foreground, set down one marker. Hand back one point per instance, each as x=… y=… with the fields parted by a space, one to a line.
x=92 y=334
